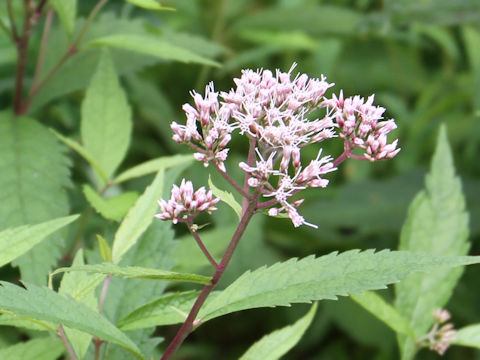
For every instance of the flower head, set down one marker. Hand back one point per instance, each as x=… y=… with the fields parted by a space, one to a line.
x=185 y=202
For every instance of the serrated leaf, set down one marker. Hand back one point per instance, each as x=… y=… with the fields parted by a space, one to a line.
x=385 y=312
x=138 y=218
x=113 y=208
x=44 y=304
x=149 y=4
x=69 y=286
x=44 y=348
x=15 y=242
x=154 y=249
x=66 y=10
x=226 y=197
x=437 y=224
x=306 y=280
x=153 y=166
x=34 y=172
x=135 y=272
x=105 y=250
x=72 y=144
x=468 y=336
x=106 y=118
x=273 y=346
x=150 y=45
x=171 y=308
x=323 y=278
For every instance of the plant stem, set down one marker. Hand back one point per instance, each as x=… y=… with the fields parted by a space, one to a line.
x=43 y=48
x=201 y=244
x=62 y=336
x=103 y=295
x=71 y=50
x=4 y=27
x=188 y=325
x=250 y=160
x=232 y=182
x=13 y=26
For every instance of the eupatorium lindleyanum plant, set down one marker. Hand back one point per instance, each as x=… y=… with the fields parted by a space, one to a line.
x=272 y=111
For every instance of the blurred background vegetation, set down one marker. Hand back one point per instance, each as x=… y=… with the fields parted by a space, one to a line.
x=420 y=57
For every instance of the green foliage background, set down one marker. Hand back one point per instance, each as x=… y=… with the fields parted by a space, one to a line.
x=420 y=58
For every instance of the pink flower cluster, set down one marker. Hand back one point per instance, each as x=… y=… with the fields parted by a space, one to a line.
x=441 y=337
x=185 y=202
x=359 y=125
x=272 y=110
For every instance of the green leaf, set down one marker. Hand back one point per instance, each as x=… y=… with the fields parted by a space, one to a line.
x=149 y=4
x=171 y=308
x=138 y=218
x=44 y=304
x=150 y=45
x=9 y=319
x=305 y=280
x=326 y=277
x=72 y=144
x=15 y=242
x=70 y=286
x=292 y=40
x=226 y=197
x=106 y=118
x=437 y=224
x=105 y=250
x=468 y=336
x=153 y=249
x=33 y=177
x=385 y=312
x=317 y=20
x=44 y=348
x=135 y=272
x=153 y=166
x=66 y=10
x=273 y=346
x=113 y=208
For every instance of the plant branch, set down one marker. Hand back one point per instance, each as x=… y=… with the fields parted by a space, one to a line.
x=189 y=323
x=232 y=182
x=62 y=336
x=5 y=28
x=13 y=26
x=71 y=50
x=103 y=295
x=43 y=48
x=201 y=244
x=250 y=160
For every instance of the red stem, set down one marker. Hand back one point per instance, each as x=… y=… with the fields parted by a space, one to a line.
x=62 y=336
x=201 y=244
x=232 y=182
x=188 y=325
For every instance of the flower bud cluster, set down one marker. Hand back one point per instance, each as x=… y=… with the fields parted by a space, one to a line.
x=359 y=123
x=185 y=202
x=440 y=336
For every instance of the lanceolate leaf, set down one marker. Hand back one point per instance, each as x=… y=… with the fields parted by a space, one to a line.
x=150 y=45
x=135 y=272
x=149 y=4
x=113 y=208
x=273 y=346
x=33 y=174
x=153 y=166
x=66 y=10
x=106 y=118
x=323 y=278
x=297 y=281
x=226 y=197
x=468 y=336
x=44 y=348
x=69 y=286
x=437 y=224
x=138 y=218
x=385 y=312
x=44 y=304
x=17 y=241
